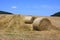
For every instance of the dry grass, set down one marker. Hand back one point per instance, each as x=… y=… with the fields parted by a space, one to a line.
x=32 y=35
x=11 y=23
x=12 y=27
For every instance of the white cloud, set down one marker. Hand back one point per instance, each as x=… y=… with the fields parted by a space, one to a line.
x=13 y=7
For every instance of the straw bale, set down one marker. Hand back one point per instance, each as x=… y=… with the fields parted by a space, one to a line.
x=28 y=19
x=40 y=24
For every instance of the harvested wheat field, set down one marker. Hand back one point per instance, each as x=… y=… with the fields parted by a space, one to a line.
x=21 y=27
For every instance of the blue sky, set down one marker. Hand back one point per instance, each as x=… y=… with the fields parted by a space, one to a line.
x=31 y=7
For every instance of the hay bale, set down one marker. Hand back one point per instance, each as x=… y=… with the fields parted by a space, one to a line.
x=40 y=24
x=28 y=19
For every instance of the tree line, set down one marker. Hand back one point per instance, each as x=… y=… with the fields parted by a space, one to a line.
x=56 y=14
x=4 y=12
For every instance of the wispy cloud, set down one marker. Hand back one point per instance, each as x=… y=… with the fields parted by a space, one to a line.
x=50 y=6
x=13 y=7
x=45 y=6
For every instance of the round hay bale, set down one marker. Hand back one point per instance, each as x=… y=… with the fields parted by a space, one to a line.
x=40 y=24
x=28 y=19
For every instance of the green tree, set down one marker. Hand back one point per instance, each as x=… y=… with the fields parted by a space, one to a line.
x=56 y=14
x=3 y=12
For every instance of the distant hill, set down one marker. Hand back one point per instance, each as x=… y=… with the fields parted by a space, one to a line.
x=56 y=14
x=3 y=12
